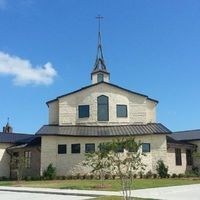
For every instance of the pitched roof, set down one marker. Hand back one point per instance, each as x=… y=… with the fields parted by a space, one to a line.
x=14 y=137
x=116 y=86
x=171 y=140
x=188 y=135
x=103 y=131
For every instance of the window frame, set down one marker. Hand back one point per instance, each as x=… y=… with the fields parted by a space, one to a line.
x=86 y=146
x=149 y=148
x=104 y=106
x=117 y=112
x=189 y=159
x=27 y=159
x=60 y=150
x=72 y=148
x=178 y=157
x=82 y=115
x=99 y=80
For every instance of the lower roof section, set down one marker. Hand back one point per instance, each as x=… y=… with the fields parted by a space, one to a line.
x=190 y=135
x=14 y=137
x=104 y=131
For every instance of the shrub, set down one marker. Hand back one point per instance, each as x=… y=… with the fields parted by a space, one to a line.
x=148 y=174
x=180 y=175
x=141 y=175
x=4 y=178
x=174 y=175
x=113 y=177
x=50 y=172
x=155 y=176
x=162 y=169
x=190 y=173
x=69 y=177
x=196 y=171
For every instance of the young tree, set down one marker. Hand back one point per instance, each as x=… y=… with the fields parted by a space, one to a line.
x=18 y=164
x=125 y=158
x=98 y=161
x=121 y=157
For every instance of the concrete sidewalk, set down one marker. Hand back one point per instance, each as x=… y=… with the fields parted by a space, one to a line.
x=185 y=192
x=92 y=193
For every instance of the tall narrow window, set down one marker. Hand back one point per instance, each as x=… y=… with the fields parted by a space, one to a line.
x=189 y=160
x=27 y=159
x=178 y=156
x=103 y=113
x=100 y=78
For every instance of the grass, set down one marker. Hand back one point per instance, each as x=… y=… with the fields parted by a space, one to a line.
x=109 y=184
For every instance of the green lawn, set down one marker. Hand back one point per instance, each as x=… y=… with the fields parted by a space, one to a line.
x=95 y=184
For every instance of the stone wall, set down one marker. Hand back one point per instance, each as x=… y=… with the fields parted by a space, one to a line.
x=54 y=113
x=65 y=110
x=34 y=170
x=171 y=160
x=65 y=163
x=4 y=160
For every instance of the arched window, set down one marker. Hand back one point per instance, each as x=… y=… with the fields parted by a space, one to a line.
x=102 y=108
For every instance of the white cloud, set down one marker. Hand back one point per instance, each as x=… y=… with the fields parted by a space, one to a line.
x=23 y=71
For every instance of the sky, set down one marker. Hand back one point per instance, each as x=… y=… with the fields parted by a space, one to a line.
x=48 y=48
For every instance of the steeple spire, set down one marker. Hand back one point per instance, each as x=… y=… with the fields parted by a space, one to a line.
x=99 y=63
x=100 y=66
x=8 y=128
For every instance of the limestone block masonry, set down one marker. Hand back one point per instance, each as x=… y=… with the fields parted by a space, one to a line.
x=4 y=160
x=64 y=111
x=65 y=163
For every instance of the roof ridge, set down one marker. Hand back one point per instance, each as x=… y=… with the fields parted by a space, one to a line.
x=193 y=130
x=31 y=134
x=111 y=84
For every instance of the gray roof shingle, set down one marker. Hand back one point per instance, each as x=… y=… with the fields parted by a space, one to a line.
x=14 y=137
x=186 y=135
x=100 y=131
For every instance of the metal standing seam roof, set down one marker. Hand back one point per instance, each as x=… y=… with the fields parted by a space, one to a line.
x=171 y=140
x=189 y=135
x=14 y=137
x=101 y=131
x=92 y=85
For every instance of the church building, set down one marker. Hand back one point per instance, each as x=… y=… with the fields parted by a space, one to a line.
x=81 y=120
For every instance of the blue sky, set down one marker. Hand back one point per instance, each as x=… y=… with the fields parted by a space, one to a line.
x=48 y=48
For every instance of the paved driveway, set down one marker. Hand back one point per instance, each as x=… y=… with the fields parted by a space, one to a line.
x=34 y=196
x=185 y=192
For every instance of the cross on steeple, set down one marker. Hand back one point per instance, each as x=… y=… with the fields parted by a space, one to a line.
x=99 y=18
x=99 y=66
